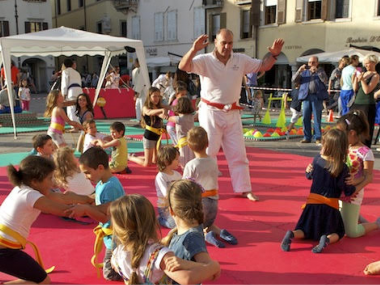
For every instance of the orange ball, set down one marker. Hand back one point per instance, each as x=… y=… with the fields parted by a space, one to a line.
x=101 y=102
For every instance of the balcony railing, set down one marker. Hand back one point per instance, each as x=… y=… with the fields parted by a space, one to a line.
x=125 y=5
x=209 y=4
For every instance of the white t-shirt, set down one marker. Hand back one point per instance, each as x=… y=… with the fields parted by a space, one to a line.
x=162 y=183
x=204 y=171
x=78 y=183
x=17 y=212
x=347 y=77
x=89 y=138
x=222 y=83
x=121 y=262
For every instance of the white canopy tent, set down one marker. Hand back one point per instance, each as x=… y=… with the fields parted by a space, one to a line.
x=68 y=42
x=335 y=56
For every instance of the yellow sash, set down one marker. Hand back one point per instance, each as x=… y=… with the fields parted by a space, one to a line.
x=182 y=142
x=209 y=193
x=159 y=132
x=21 y=244
x=319 y=199
x=100 y=233
x=57 y=126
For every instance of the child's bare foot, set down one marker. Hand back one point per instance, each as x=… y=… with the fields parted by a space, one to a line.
x=372 y=268
x=251 y=196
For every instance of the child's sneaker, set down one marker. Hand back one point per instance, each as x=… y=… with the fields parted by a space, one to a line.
x=228 y=237
x=211 y=238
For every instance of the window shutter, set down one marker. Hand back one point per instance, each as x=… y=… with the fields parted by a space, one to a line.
x=255 y=13
x=281 y=12
x=299 y=6
x=210 y=27
x=324 y=10
x=223 y=20
x=5 y=28
x=241 y=24
x=27 y=27
x=45 y=26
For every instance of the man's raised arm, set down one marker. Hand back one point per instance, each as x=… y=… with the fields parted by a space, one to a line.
x=274 y=51
x=186 y=62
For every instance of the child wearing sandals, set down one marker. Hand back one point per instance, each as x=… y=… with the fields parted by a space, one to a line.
x=321 y=219
x=204 y=170
x=187 y=239
x=360 y=160
x=167 y=163
x=139 y=257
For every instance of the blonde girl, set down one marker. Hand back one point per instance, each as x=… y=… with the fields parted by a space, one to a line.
x=68 y=175
x=187 y=239
x=360 y=160
x=321 y=219
x=30 y=196
x=184 y=121
x=54 y=103
x=153 y=113
x=139 y=257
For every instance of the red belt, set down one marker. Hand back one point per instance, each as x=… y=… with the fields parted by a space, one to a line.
x=223 y=107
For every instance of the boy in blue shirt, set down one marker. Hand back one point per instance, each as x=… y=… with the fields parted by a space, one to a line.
x=94 y=164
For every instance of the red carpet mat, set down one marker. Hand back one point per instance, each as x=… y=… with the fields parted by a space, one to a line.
x=279 y=180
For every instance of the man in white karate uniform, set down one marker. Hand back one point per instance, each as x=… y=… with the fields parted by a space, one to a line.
x=221 y=73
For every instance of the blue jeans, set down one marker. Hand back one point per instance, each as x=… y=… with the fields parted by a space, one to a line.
x=345 y=96
x=165 y=219
x=312 y=105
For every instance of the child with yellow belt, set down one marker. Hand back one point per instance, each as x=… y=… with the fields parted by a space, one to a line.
x=30 y=196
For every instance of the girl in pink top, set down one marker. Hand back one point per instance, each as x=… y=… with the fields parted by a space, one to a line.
x=54 y=103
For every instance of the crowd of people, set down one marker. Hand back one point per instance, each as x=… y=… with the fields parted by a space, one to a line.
x=187 y=203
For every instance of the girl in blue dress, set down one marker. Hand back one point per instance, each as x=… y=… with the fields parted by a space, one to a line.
x=321 y=219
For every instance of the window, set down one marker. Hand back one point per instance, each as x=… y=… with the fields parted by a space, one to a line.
x=314 y=9
x=199 y=22
x=99 y=27
x=342 y=8
x=68 y=5
x=4 y=29
x=80 y=3
x=123 y=28
x=136 y=27
x=215 y=25
x=270 y=11
x=32 y=27
x=245 y=24
x=159 y=27
x=172 y=25
x=58 y=7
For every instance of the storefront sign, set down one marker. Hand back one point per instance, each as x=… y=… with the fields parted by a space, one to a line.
x=370 y=39
x=293 y=47
x=151 y=51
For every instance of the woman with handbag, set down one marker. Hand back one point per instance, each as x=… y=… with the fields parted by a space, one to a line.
x=364 y=84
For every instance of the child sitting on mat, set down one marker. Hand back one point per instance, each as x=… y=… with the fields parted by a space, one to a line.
x=30 y=196
x=43 y=146
x=94 y=164
x=187 y=239
x=68 y=175
x=167 y=163
x=91 y=134
x=204 y=170
x=321 y=219
x=119 y=155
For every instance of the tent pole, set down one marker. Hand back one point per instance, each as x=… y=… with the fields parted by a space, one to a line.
x=106 y=62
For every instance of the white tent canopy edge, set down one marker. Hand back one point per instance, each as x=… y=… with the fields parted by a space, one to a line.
x=66 y=41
